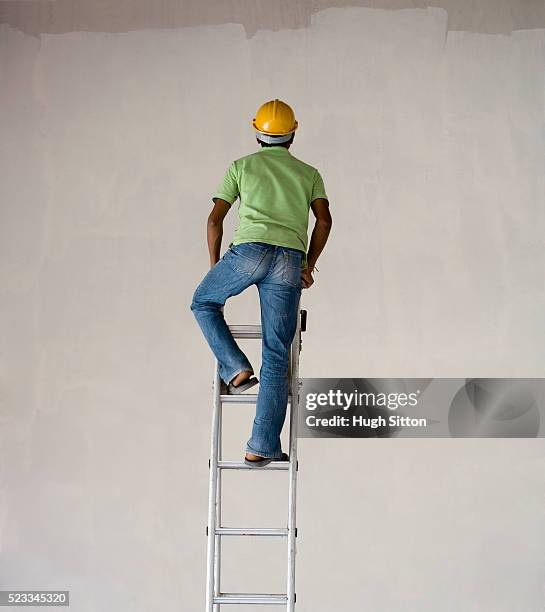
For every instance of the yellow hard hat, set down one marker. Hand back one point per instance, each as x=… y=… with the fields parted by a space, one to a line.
x=275 y=118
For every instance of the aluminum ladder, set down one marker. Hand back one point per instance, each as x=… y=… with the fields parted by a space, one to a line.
x=215 y=530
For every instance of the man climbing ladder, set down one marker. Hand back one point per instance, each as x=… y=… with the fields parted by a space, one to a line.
x=269 y=250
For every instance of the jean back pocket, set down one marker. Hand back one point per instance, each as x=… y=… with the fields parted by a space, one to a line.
x=244 y=258
x=292 y=267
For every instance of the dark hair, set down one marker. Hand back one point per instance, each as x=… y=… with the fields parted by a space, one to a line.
x=280 y=144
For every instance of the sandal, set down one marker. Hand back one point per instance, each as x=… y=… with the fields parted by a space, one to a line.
x=265 y=460
x=231 y=389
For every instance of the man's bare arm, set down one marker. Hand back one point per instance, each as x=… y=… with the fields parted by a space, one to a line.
x=320 y=233
x=214 y=229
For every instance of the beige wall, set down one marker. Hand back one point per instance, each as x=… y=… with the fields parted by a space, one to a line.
x=431 y=143
x=60 y=16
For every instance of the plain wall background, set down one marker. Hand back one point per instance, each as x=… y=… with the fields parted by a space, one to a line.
x=431 y=144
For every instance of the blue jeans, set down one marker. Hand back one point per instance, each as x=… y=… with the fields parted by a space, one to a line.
x=276 y=271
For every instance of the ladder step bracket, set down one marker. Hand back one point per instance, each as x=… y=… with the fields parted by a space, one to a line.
x=245 y=331
x=239 y=465
x=250 y=598
x=242 y=398
x=251 y=531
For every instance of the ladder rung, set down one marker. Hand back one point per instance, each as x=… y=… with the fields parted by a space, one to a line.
x=250 y=598
x=245 y=331
x=242 y=398
x=239 y=465
x=252 y=531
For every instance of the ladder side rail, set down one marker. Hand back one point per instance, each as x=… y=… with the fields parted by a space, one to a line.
x=218 y=540
x=213 y=496
x=294 y=405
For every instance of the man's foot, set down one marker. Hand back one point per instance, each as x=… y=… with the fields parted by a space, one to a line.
x=251 y=457
x=231 y=389
x=241 y=377
x=258 y=461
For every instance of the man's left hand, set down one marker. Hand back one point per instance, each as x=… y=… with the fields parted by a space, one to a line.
x=306 y=277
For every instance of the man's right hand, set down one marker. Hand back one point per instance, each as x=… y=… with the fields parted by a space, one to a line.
x=306 y=277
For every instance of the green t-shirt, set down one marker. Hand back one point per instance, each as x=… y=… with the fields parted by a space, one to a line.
x=275 y=190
